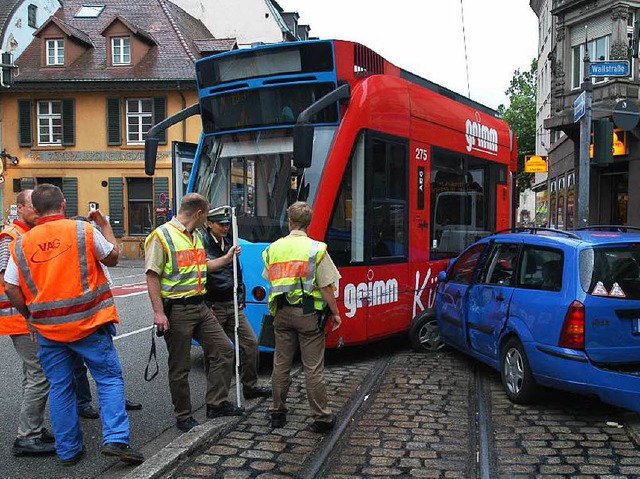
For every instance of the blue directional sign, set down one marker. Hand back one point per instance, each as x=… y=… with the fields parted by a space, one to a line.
x=579 y=106
x=617 y=68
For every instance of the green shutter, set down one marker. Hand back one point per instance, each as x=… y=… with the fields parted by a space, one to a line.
x=114 y=130
x=159 y=114
x=24 y=122
x=116 y=206
x=68 y=122
x=27 y=183
x=70 y=191
x=161 y=185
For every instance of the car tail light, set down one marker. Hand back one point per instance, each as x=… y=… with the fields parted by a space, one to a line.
x=572 y=335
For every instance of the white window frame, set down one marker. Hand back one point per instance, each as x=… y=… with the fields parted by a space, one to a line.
x=579 y=50
x=121 y=45
x=139 y=117
x=55 y=52
x=49 y=123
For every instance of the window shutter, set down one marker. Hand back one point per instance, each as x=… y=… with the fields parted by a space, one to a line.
x=114 y=130
x=159 y=114
x=68 y=123
x=27 y=183
x=70 y=191
x=24 y=122
x=161 y=185
x=116 y=206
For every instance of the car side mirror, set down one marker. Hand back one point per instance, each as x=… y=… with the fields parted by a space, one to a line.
x=302 y=145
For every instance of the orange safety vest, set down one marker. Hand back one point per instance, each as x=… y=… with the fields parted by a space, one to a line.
x=64 y=286
x=11 y=321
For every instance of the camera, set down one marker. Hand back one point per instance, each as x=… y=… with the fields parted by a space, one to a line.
x=93 y=205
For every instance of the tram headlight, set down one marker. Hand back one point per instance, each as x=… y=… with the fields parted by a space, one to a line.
x=259 y=293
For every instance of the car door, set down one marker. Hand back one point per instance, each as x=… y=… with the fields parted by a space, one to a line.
x=451 y=296
x=489 y=298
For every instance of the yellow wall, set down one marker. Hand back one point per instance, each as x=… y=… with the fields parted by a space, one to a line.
x=91 y=136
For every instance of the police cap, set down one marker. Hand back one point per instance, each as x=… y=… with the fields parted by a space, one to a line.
x=221 y=214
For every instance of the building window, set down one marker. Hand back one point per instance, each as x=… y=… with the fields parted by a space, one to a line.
x=55 y=52
x=50 y=122
x=90 y=11
x=140 y=195
x=139 y=119
x=598 y=51
x=31 y=16
x=120 y=51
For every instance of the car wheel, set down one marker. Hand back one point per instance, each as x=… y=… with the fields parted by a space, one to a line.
x=516 y=374
x=424 y=333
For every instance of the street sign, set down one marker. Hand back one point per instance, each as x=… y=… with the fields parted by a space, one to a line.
x=535 y=164
x=579 y=105
x=626 y=115
x=616 y=68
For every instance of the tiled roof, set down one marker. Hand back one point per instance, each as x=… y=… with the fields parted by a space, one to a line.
x=215 y=45
x=69 y=30
x=170 y=28
x=146 y=36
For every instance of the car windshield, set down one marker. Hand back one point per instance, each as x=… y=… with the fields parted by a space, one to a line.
x=611 y=271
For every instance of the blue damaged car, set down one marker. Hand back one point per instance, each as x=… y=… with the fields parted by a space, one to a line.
x=549 y=308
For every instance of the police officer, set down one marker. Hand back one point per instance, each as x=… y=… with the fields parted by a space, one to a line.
x=176 y=269
x=302 y=278
x=75 y=317
x=217 y=243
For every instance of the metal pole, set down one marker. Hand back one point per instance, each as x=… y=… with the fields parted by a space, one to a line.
x=234 y=233
x=585 y=140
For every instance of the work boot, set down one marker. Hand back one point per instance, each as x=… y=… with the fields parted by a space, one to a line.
x=72 y=461
x=278 y=419
x=89 y=412
x=46 y=436
x=322 y=426
x=225 y=409
x=35 y=446
x=125 y=452
x=259 y=392
x=185 y=425
x=132 y=406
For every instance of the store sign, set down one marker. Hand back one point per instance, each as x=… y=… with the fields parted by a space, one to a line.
x=536 y=164
x=619 y=143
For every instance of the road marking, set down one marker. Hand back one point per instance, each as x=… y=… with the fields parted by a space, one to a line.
x=131 y=333
x=130 y=289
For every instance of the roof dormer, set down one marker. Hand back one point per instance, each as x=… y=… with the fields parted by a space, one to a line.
x=62 y=44
x=126 y=42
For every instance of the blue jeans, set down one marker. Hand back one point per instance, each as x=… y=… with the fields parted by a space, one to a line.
x=99 y=354
x=83 y=390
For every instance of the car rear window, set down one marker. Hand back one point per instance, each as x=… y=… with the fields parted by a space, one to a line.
x=611 y=271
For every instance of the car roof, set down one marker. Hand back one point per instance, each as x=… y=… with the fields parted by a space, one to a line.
x=591 y=236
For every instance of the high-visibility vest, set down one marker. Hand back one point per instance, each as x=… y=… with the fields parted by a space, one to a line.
x=63 y=284
x=11 y=321
x=291 y=263
x=185 y=270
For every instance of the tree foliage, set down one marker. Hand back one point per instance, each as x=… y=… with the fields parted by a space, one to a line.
x=521 y=116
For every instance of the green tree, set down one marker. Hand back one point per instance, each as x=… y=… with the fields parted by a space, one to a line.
x=521 y=116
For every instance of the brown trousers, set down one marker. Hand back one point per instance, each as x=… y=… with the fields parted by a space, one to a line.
x=294 y=330
x=198 y=322
x=249 y=357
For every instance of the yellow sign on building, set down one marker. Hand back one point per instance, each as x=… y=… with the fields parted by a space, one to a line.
x=619 y=143
x=536 y=164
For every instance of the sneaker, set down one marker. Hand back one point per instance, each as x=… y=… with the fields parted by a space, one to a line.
x=123 y=451
x=72 y=461
x=225 y=409
x=88 y=412
x=186 y=425
x=32 y=447
x=278 y=419
x=46 y=436
x=260 y=392
x=322 y=426
x=132 y=406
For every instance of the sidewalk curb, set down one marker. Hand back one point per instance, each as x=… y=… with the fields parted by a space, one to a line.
x=182 y=447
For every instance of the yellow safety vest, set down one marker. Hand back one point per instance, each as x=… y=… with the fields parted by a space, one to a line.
x=185 y=272
x=291 y=262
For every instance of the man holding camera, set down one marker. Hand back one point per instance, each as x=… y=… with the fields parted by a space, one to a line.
x=220 y=284
x=176 y=268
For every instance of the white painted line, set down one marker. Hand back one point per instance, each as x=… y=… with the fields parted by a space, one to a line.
x=130 y=294
x=131 y=333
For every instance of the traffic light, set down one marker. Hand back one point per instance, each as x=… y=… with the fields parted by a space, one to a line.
x=602 y=142
x=6 y=69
